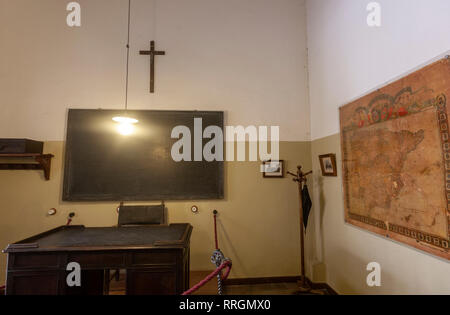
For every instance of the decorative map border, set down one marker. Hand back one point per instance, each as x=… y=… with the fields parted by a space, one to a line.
x=441 y=108
x=442 y=118
x=419 y=236
x=375 y=113
x=371 y=221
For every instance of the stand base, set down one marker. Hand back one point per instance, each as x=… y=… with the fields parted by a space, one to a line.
x=305 y=289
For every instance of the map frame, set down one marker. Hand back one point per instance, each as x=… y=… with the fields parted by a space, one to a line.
x=416 y=94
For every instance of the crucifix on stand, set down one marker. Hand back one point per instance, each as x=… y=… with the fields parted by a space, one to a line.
x=152 y=52
x=300 y=178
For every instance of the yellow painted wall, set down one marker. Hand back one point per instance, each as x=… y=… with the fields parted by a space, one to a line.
x=258 y=222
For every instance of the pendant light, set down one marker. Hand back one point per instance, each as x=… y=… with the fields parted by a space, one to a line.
x=126 y=124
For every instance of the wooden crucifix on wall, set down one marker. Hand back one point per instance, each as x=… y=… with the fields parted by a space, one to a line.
x=152 y=52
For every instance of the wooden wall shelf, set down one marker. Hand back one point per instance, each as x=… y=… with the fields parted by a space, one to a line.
x=43 y=163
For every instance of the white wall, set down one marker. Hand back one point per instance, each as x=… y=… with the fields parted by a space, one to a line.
x=345 y=250
x=346 y=60
x=247 y=57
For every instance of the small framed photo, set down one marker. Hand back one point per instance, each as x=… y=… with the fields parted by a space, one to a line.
x=328 y=164
x=273 y=169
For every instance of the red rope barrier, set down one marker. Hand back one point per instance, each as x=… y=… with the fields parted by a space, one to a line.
x=69 y=218
x=226 y=264
x=215 y=229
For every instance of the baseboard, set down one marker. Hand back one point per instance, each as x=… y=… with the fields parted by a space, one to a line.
x=263 y=280
x=322 y=285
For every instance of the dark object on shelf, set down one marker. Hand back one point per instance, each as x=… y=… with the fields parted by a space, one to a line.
x=43 y=163
x=16 y=146
x=156 y=259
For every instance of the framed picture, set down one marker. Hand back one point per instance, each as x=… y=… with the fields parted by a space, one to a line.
x=328 y=164
x=273 y=169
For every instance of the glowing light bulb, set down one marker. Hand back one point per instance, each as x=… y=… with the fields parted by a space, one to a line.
x=127 y=120
x=125 y=126
x=125 y=129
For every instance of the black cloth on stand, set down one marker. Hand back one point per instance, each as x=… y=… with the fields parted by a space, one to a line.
x=306 y=205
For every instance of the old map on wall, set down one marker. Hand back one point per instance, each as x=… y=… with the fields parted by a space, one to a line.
x=396 y=160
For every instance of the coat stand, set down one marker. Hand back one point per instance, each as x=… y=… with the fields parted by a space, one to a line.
x=300 y=178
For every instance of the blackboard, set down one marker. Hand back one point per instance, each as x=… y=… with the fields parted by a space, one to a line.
x=103 y=165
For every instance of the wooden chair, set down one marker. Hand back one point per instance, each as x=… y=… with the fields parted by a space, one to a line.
x=141 y=215
x=135 y=216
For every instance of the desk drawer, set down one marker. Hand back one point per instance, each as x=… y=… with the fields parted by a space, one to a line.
x=34 y=282
x=33 y=261
x=154 y=257
x=97 y=259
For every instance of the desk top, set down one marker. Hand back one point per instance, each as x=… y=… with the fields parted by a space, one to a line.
x=78 y=237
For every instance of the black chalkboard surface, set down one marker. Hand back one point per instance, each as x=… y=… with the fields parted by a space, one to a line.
x=103 y=165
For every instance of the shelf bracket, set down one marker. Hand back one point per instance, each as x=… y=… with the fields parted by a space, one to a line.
x=45 y=161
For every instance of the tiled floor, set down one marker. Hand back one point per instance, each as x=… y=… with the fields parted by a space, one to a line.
x=118 y=288
x=255 y=289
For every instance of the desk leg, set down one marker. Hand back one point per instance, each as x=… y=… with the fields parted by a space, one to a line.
x=187 y=270
x=107 y=282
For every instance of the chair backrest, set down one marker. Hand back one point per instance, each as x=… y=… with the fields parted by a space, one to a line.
x=141 y=215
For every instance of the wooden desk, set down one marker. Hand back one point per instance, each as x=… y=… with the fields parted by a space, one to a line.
x=156 y=259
